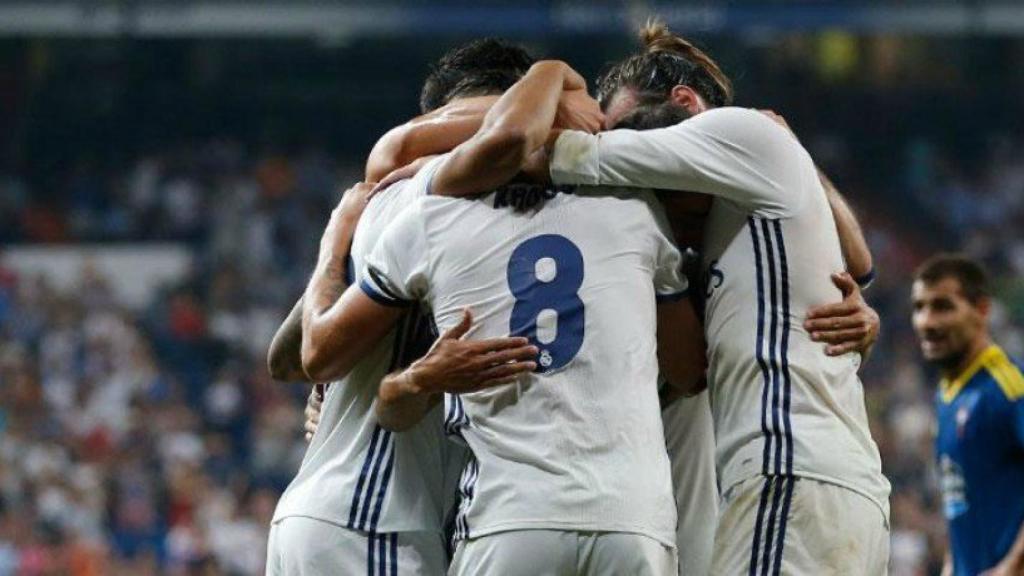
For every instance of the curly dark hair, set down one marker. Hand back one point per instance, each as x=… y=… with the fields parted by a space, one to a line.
x=666 y=61
x=481 y=67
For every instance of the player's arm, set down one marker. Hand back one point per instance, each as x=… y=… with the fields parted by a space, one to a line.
x=339 y=325
x=856 y=253
x=284 y=358
x=732 y=153
x=682 y=355
x=452 y=365
x=855 y=249
x=436 y=132
x=515 y=127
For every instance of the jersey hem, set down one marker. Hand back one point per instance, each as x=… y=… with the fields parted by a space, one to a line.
x=883 y=507
x=344 y=524
x=510 y=526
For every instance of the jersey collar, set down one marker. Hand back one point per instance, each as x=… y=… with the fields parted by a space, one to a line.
x=950 y=388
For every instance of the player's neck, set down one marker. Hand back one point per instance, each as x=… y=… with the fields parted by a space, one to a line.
x=977 y=347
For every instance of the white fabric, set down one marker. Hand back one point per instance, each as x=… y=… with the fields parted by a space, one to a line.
x=813 y=528
x=689 y=436
x=560 y=553
x=301 y=546
x=354 y=473
x=780 y=405
x=579 y=446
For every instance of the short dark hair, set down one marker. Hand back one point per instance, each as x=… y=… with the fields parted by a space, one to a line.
x=649 y=116
x=666 y=61
x=973 y=278
x=482 y=67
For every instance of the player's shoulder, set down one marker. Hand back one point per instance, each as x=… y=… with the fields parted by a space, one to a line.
x=1005 y=373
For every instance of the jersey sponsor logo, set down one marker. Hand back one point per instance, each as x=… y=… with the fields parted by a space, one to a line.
x=954 y=488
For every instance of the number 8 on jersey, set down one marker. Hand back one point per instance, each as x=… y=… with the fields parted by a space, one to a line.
x=544 y=275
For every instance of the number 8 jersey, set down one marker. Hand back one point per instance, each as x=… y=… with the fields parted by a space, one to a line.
x=578 y=444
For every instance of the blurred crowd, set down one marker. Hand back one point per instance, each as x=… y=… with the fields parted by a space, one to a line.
x=145 y=441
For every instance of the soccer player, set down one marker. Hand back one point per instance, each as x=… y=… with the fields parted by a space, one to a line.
x=366 y=500
x=980 y=404
x=793 y=447
x=570 y=473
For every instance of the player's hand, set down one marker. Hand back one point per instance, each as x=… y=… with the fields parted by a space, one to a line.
x=353 y=202
x=313 y=405
x=577 y=110
x=457 y=366
x=407 y=171
x=850 y=325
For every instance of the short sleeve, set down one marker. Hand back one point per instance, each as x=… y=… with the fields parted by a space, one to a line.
x=396 y=269
x=733 y=153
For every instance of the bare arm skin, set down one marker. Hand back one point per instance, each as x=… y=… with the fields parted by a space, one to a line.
x=851 y=238
x=284 y=359
x=328 y=344
x=452 y=365
x=432 y=133
x=682 y=355
x=847 y=326
x=517 y=125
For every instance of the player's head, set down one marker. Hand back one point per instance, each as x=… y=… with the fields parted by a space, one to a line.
x=482 y=67
x=669 y=69
x=951 y=301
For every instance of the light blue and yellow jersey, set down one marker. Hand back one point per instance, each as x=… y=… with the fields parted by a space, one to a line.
x=980 y=447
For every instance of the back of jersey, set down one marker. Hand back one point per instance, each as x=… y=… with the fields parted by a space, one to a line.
x=577 y=445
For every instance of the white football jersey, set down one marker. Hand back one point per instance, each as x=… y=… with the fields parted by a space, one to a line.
x=356 y=474
x=578 y=444
x=780 y=405
x=690 y=439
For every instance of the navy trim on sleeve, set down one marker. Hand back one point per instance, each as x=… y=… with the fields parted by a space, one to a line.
x=866 y=280
x=379 y=298
x=673 y=297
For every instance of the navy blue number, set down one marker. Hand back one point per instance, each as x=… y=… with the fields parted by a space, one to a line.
x=559 y=293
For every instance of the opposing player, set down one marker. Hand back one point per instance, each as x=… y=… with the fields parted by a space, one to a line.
x=980 y=404
x=367 y=500
x=793 y=447
x=570 y=473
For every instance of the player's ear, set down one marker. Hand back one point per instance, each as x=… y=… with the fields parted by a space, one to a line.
x=688 y=98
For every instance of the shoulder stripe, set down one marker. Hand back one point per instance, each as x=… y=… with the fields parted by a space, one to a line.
x=1008 y=376
x=949 y=389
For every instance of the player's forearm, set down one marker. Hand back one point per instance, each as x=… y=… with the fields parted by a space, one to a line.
x=517 y=125
x=681 y=349
x=851 y=237
x=400 y=405
x=284 y=358
x=419 y=138
x=323 y=329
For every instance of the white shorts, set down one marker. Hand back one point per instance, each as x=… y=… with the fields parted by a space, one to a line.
x=690 y=439
x=563 y=553
x=799 y=526
x=301 y=546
